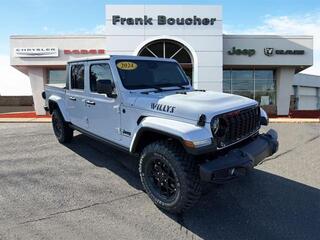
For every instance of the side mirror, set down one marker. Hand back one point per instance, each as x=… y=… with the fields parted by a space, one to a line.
x=104 y=86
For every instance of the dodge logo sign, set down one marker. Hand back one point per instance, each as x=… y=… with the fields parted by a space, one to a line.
x=84 y=51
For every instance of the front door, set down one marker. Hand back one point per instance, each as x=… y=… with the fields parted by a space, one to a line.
x=103 y=112
x=75 y=95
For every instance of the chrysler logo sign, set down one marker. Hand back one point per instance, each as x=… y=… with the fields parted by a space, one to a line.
x=33 y=52
x=162 y=20
x=271 y=51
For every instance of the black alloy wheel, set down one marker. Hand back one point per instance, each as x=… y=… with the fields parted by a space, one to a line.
x=61 y=129
x=57 y=125
x=161 y=179
x=169 y=176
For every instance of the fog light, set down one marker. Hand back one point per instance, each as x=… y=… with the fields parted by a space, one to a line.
x=197 y=144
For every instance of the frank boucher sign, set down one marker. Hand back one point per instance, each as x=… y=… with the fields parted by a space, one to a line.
x=162 y=20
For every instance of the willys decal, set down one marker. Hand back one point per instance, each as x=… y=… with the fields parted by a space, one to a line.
x=162 y=108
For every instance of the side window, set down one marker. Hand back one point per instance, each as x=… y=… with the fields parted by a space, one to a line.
x=99 y=71
x=77 y=76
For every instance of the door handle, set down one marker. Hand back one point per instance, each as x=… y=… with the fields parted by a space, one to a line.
x=90 y=102
x=72 y=98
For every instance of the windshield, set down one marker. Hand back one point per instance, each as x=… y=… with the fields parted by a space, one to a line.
x=139 y=74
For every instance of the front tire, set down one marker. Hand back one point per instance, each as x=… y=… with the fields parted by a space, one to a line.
x=61 y=129
x=169 y=176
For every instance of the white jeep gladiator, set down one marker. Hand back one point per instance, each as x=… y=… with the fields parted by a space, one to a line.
x=147 y=107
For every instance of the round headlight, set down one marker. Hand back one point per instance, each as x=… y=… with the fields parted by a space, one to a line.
x=264 y=119
x=215 y=125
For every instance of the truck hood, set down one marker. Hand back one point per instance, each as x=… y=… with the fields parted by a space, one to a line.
x=191 y=104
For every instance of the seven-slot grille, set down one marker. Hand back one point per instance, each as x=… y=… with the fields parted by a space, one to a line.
x=237 y=125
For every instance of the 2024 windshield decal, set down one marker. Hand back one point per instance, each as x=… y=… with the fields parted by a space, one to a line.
x=162 y=108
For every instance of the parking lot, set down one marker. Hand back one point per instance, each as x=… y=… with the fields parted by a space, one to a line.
x=87 y=190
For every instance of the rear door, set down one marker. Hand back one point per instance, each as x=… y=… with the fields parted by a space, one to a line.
x=103 y=112
x=75 y=95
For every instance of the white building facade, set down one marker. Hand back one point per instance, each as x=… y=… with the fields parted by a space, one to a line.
x=259 y=67
x=306 y=92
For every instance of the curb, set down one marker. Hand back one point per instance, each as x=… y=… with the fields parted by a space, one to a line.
x=294 y=120
x=48 y=120
x=25 y=120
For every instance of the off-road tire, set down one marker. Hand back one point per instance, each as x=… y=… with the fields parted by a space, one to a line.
x=184 y=168
x=61 y=129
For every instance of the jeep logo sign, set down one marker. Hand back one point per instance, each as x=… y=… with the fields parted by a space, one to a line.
x=245 y=52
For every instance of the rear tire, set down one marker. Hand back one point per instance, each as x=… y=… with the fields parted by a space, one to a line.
x=61 y=129
x=169 y=176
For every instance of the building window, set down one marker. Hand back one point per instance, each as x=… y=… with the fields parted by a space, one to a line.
x=256 y=84
x=170 y=49
x=242 y=83
x=57 y=76
x=227 y=81
x=77 y=76
x=265 y=87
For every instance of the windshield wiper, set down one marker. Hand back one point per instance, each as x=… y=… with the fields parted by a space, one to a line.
x=152 y=86
x=180 y=86
x=160 y=89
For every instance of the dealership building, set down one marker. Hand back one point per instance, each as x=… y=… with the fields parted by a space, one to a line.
x=261 y=67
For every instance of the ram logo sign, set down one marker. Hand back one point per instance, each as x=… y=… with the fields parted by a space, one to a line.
x=268 y=51
x=271 y=51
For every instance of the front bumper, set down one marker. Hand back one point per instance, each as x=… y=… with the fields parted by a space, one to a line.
x=238 y=160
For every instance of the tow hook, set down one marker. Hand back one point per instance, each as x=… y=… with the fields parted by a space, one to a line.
x=227 y=175
x=238 y=172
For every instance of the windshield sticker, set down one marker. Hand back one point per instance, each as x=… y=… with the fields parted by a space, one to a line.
x=163 y=108
x=128 y=66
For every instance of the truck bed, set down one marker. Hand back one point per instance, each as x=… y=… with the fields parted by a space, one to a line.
x=55 y=90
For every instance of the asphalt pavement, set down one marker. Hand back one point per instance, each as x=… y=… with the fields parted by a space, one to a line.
x=87 y=190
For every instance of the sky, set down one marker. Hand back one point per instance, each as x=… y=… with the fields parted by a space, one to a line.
x=43 y=17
